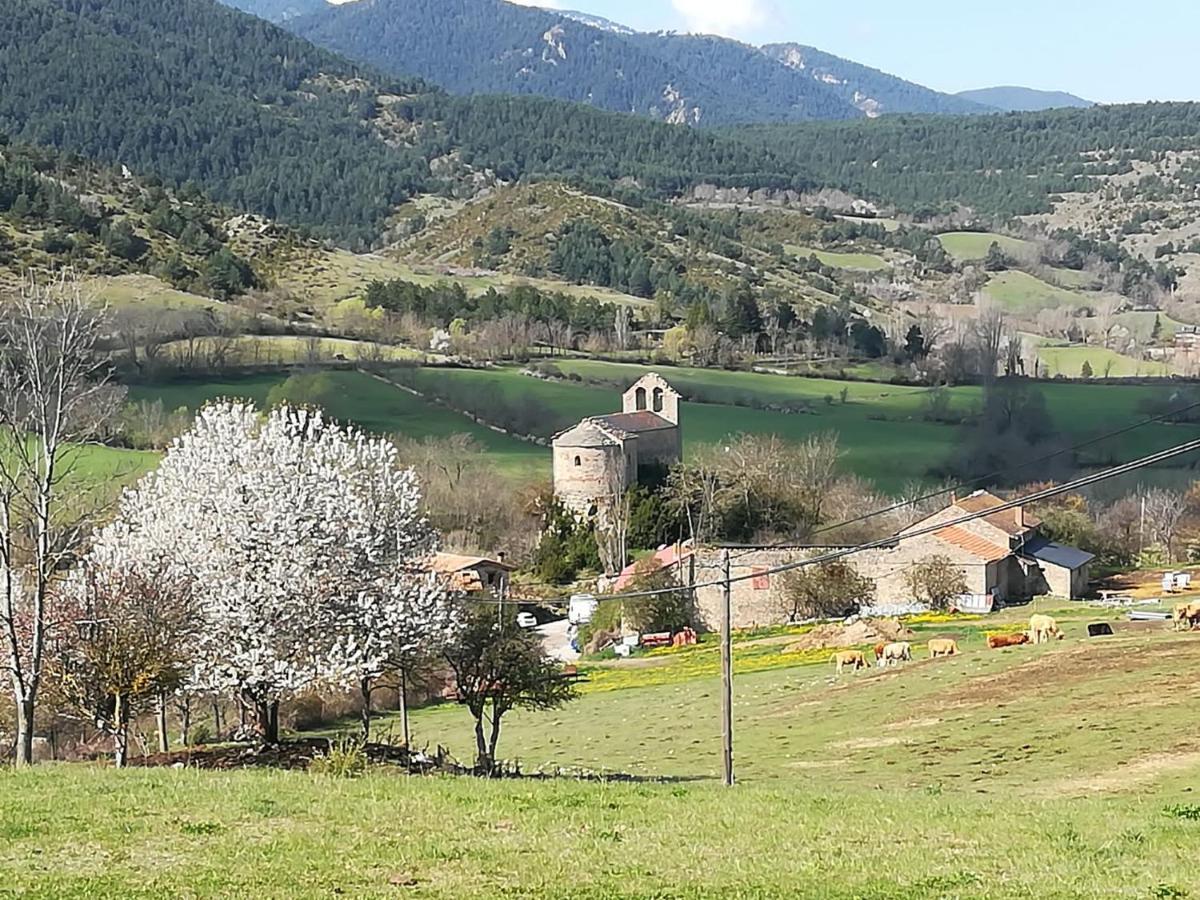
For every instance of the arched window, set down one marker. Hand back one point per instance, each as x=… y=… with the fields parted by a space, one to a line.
x=658 y=399
x=639 y=398
x=578 y=461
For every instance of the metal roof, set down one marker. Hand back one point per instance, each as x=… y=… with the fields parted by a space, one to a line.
x=1048 y=551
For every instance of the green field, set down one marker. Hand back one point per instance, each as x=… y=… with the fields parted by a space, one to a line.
x=1063 y=771
x=367 y=402
x=1022 y=293
x=968 y=246
x=868 y=262
x=881 y=429
x=1068 y=361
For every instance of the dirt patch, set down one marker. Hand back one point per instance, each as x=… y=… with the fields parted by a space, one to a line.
x=912 y=723
x=870 y=743
x=1131 y=775
x=864 y=631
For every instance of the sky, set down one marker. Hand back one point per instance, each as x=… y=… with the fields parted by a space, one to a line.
x=1103 y=50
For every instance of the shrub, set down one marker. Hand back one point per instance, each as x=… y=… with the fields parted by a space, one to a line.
x=345 y=758
x=826 y=591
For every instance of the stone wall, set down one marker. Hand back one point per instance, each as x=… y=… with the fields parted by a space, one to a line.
x=758 y=600
x=663 y=447
x=583 y=475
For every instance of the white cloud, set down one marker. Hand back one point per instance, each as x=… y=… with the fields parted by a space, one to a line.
x=545 y=4
x=732 y=18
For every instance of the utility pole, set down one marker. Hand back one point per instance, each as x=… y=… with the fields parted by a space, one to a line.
x=727 y=671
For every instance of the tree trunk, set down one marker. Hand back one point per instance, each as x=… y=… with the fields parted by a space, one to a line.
x=120 y=733
x=404 y=706
x=185 y=722
x=164 y=740
x=266 y=720
x=364 y=687
x=23 y=752
x=216 y=720
x=483 y=761
x=493 y=740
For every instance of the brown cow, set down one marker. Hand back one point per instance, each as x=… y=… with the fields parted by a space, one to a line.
x=996 y=641
x=879 y=648
x=1186 y=613
x=852 y=658
x=942 y=647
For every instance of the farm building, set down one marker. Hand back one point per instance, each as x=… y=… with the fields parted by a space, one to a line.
x=603 y=455
x=1002 y=555
x=473 y=574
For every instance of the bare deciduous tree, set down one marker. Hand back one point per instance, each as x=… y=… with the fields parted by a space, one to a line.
x=1165 y=510
x=989 y=340
x=51 y=383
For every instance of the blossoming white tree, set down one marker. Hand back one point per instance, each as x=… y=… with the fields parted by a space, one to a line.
x=305 y=546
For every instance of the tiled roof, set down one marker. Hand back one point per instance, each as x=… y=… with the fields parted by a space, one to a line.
x=670 y=555
x=447 y=563
x=1006 y=521
x=586 y=434
x=973 y=544
x=633 y=422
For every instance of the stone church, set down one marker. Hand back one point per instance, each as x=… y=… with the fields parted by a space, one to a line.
x=603 y=455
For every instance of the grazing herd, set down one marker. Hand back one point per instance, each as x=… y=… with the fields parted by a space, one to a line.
x=1042 y=629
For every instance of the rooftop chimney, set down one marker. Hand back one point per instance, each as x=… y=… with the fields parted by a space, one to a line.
x=1019 y=515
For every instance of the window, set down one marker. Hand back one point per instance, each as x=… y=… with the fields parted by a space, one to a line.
x=658 y=399
x=578 y=461
x=639 y=398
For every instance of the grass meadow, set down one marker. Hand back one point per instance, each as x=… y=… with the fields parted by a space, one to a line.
x=912 y=447
x=365 y=401
x=868 y=262
x=1063 y=771
x=968 y=246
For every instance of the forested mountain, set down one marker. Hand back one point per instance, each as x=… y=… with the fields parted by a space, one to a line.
x=489 y=46
x=194 y=90
x=1002 y=165
x=266 y=122
x=1022 y=99
x=278 y=10
x=59 y=210
x=872 y=91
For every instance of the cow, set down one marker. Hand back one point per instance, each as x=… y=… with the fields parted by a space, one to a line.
x=1188 y=613
x=1043 y=628
x=897 y=652
x=942 y=647
x=996 y=641
x=852 y=658
x=879 y=648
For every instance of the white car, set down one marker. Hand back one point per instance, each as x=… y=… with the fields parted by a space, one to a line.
x=527 y=620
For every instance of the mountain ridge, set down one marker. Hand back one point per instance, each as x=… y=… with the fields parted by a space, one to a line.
x=1014 y=98
x=490 y=46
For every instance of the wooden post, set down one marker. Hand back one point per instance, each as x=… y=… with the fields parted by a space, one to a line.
x=727 y=671
x=404 y=705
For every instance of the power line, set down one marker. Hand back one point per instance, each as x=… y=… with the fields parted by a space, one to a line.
x=841 y=553
x=984 y=479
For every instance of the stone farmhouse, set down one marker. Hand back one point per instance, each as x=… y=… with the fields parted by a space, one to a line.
x=603 y=455
x=1002 y=555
